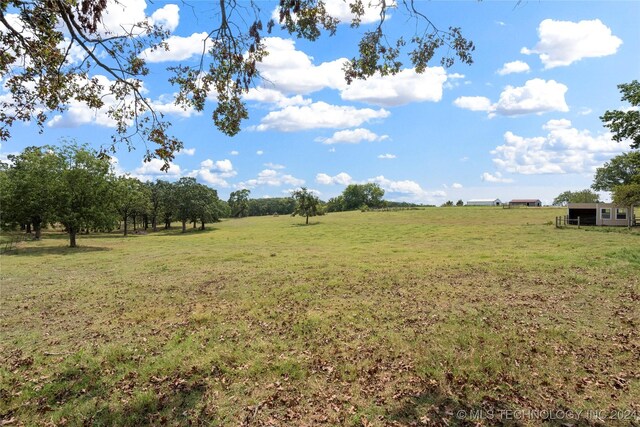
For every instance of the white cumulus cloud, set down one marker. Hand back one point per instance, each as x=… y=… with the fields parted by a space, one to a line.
x=272 y=96
x=121 y=17
x=387 y=156
x=514 y=67
x=408 y=190
x=537 y=96
x=78 y=113
x=342 y=178
x=180 y=48
x=168 y=17
x=186 y=152
x=497 y=177
x=317 y=116
x=564 y=149
x=405 y=87
x=272 y=178
x=473 y=103
x=214 y=172
x=151 y=170
x=289 y=70
x=565 y=42
x=352 y=136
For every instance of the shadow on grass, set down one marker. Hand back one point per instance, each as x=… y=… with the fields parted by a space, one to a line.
x=306 y=225
x=150 y=408
x=435 y=407
x=177 y=231
x=80 y=393
x=107 y=235
x=53 y=250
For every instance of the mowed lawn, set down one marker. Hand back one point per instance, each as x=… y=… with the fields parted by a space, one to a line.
x=416 y=317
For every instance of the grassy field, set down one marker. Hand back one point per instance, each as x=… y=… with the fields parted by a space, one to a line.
x=418 y=317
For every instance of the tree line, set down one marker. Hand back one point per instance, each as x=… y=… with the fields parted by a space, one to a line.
x=74 y=187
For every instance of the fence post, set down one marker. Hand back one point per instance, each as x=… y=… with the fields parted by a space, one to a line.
x=578 y=222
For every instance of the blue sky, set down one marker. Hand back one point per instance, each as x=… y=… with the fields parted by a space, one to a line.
x=521 y=122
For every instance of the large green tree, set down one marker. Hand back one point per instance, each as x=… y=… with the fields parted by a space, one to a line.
x=186 y=200
x=627 y=195
x=206 y=208
x=84 y=191
x=307 y=203
x=335 y=204
x=625 y=124
x=355 y=196
x=167 y=193
x=271 y=206
x=54 y=50
x=620 y=170
x=130 y=195
x=30 y=193
x=582 y=196
x=621 y=175
x=155 y=202
x=239 y=203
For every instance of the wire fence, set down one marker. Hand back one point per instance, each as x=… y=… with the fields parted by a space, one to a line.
x=563 y=221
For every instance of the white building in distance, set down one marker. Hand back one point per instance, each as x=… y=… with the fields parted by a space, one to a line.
x=484 y=202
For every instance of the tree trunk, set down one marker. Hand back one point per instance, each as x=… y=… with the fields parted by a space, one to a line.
x=134 y=222
x=72 y=237
x=154 y=224
x=38 y=229
x=307 y=220
x=145 y=220
x=202 y=227
x=126 y=231
x=184 y=226
x=195 y=224
x=28 y=228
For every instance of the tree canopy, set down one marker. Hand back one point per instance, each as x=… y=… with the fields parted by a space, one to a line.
x=307 y=204
x=84 y=194
x=621 y=175
x=627 y=195
x=582 y=196
x=74 y=187
x=131 y=195
x=356 y=196
x=620 y=170
x=625 y=125
x=59 y=52
x=29 y=194
x=239 y=203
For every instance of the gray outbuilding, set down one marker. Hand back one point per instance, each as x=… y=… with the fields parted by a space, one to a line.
x=525 y=202
x=601 y=214
x=484 y=202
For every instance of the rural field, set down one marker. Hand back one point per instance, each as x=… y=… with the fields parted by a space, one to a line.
x=435 y=316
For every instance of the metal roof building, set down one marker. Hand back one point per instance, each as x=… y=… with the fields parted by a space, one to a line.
x=484 y=202
x=525 y=202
